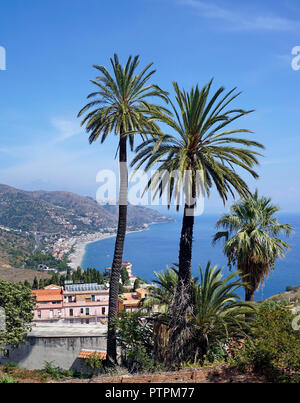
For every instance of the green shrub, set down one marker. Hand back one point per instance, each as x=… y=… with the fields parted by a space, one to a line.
x=135 y=337
x=56 y=372
x=274 y=349
x=8 y=379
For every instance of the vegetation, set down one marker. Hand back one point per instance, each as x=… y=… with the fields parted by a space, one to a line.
x=218 y=314
x=12 y=373
x=185 y=321
x=124 y=276
x=274 y=348
x=8 y=379
x=38 y=258
x=15 y=247
x=252 y=239
x=90 y=275
x=18 y=304
x=121 y=106
x=135 y=338
x=202 y=153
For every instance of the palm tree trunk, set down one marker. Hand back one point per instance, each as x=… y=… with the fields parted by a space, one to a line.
x=181 y=338
x=185 y=246
x=118 y=254
x=249 y=295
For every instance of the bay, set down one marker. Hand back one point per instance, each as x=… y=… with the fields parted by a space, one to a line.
x=152 y=250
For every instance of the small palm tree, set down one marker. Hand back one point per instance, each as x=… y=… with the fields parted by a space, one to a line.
x=160 y=296
x=120 y=106
x=252 y=240
x=220 y=314
x=202 y=152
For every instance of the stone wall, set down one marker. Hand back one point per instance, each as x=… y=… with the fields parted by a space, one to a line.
x=61 y=351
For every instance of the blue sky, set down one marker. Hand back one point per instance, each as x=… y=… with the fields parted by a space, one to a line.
x=51 y=46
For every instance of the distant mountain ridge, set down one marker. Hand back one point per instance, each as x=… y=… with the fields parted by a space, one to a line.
x=60 y=211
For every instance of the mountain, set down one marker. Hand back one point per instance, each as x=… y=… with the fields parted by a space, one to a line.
x=64 y=212
x=29 y=220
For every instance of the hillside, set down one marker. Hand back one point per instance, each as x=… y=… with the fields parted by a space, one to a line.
x=14 y=246
x=292 y=295
x=31 y=220
x=20 y=275
x=64 y=212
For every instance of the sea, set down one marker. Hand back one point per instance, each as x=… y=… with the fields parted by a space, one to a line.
x=152 y=250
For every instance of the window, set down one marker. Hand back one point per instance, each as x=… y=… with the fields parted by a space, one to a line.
x=103 y=311
x=87 y=311
x=87 y=321
x=93 y=298
x=81 y=311
x=71 y=312
x=69 y=298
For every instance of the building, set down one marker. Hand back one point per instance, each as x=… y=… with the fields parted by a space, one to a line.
x=131 y=301
x=49 y=304
x=85 y=303
x=75 y=304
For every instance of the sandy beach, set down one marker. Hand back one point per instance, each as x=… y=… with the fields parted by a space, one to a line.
x=80 y=246
x=76 y=258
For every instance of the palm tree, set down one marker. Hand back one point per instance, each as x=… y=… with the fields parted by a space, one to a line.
x=251 y=239
x=120 y=106
x=201 y=144
x=220 y=314
x=161 y=295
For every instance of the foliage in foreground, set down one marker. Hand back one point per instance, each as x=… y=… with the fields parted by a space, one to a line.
x=218 y=315
x=274 y=349
x=135 y=338
x=8 y=379
x=18 y=303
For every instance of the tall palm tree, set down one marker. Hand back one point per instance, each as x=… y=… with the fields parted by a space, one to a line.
x=252 y=240
x=200 y=145
x=120 y=106
x=203 y=153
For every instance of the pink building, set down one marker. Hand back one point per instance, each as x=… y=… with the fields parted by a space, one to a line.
x=77 y=303
x=85 y=303
x=49 y=304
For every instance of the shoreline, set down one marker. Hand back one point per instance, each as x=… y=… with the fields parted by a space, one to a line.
x=77 y=257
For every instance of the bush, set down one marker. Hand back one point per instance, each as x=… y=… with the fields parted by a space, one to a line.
x=8 y=379
x=274 y=349
x=135 y=337
x=56 y=372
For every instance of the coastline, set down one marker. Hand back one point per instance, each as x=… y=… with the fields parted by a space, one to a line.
x=77 y=256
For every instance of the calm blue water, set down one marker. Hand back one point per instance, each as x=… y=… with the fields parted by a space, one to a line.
x=152 y=250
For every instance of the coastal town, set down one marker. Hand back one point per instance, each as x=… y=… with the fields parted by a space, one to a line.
x=77 y=312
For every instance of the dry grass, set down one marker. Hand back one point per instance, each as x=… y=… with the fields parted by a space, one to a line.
x=20 y=275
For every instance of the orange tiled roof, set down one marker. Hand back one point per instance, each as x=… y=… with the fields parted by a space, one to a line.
x=87 y=353
x=47 y=295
